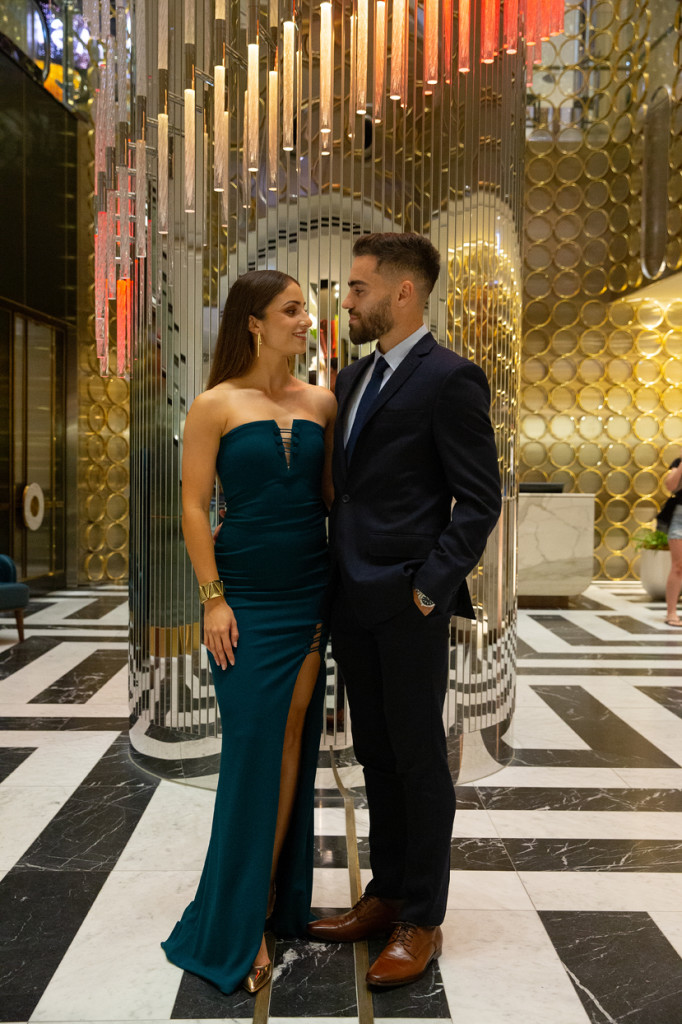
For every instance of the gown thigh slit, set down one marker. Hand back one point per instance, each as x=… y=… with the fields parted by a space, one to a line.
x=272 y=558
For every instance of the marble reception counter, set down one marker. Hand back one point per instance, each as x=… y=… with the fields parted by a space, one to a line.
x=556 y=538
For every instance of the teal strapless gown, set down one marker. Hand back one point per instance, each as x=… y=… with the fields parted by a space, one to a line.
x=272 y=557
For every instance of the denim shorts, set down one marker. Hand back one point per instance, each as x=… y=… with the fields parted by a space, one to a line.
x=675 y=528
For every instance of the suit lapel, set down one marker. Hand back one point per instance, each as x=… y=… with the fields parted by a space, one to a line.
x=410 y=363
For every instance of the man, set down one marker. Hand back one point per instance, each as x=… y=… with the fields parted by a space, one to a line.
x=413 y=432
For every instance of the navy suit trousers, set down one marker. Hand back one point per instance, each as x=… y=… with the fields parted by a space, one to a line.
x=396 y=675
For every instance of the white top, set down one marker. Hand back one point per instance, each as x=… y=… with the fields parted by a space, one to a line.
x=394 y=358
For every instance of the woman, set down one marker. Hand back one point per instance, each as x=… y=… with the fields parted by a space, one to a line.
x=673 y=482
x=269 y=437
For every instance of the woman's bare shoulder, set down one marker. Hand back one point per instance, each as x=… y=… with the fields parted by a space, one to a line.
x=321 y=399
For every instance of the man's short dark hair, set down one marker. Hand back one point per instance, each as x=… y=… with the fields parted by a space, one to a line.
x=406 y=251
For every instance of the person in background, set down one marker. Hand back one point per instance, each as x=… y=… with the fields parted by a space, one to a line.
x=673 y=482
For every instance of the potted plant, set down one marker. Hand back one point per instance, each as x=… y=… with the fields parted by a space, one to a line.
x=654 y=561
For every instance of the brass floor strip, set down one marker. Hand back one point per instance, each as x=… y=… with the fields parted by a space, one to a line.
x=364 y=996
x=261 y=1009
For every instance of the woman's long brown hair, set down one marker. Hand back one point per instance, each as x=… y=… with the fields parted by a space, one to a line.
x=250 y=295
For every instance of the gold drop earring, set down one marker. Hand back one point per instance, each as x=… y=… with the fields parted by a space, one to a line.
x=258 y=344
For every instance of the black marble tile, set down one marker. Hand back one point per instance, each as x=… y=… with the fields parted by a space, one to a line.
x=198 y=999
x=423 y=998
x=19 y=723
x=98 y=607
x=11 y=758
x=585 y=604
x=90 y=830
x=607 y=734
x=468 y=798
x=631 y=625
x=526 y=798
x=659 y=855
x=670 y=697
x=314 y=980
x=117 y=764
x=524 y=650
x=572 y=633
x=40 y=913
x=622 y=966
x=84 y=680
x=20 y=655
x=479 y=855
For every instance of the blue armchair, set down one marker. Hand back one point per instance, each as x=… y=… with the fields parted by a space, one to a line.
x=13 y=596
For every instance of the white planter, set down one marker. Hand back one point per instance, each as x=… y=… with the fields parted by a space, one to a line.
x=654 y=567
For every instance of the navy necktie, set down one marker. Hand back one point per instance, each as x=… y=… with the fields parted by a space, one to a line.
x=366 y=402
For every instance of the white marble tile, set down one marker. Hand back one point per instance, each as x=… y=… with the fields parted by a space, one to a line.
x=59 y=759
x=115 y=968
x=114 y=692
x=544 y=824
x=473 y=824
x=173 y=832
x=331 y=887
x=64 y=711
x=24 y=813
x=540 y=728
x=486 y=890
x=651 y=778
x=670 y=923
x=500 y=967
x=526 y=697
x=539 y=637
x=643 y=891
x=29 y=681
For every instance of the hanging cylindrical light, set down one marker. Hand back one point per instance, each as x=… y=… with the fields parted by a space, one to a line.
x=510 y=29
x=352 y=91
x=545 y=13
x=289 y=38
x=141 y=198
x=162 y=121
x=326 y=66
x=124 y=222
x=431 y=41
x=464 y=33
x=379 y=61
x=398 y=49
x=361 y=57
x=273 y=120
x=556 y=17
x=162 y=173
x=531 y=22
x=101 y=303
x=489 y=28
x=447 y=40
x=219 y=153
x=252 y=124
x=190 y=108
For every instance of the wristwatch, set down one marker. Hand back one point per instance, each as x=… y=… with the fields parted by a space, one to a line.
x=424 y=601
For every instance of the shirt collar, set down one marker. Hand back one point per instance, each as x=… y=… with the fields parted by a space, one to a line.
x=395 y=355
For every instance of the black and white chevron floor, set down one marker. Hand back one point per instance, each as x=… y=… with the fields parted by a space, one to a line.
x=566 y=891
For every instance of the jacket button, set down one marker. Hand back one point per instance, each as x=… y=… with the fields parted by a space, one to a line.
x=345 y=498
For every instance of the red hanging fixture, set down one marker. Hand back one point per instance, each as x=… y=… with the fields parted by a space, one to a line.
x=510 y=26
x=447 y=39
x=490 y=20
x=464 y=32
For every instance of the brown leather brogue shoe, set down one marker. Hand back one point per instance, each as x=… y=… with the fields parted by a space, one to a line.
x=407 y=956
x=370 y=916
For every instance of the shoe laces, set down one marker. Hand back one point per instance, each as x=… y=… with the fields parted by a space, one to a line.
x=403 y=933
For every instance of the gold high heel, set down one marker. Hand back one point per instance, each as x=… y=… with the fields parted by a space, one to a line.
x=258 y=977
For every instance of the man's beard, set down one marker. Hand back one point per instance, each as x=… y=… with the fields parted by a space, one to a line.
x=372 y=325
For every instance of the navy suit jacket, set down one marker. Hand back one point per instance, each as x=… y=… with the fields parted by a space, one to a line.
x=428 y=439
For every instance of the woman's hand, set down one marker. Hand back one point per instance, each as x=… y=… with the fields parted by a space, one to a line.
x=220 y=630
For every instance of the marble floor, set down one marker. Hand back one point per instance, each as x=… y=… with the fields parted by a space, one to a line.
x=565 y=900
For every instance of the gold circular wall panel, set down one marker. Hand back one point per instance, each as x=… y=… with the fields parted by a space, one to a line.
x=617 y=455
x=534 y=398
x=649 y=314
x=562 y=398
x=591 y=399
x=616 y=538
x=533 y=427
x=116 y=566
x=589 y=455
x=94 y=567
x=645 y=400
x=534 y=454
x=562 y=370
x=562 y=427
x=616 y=511
x=645 y=483
x=619 y=371
x=672 y=343
x=561 y=454
x=590 y=427
x=671 y=428
x=617 y=427
x=648 y=343
x=618 y=399
x=617 y=482
x=671 y=400
x=117 y=507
